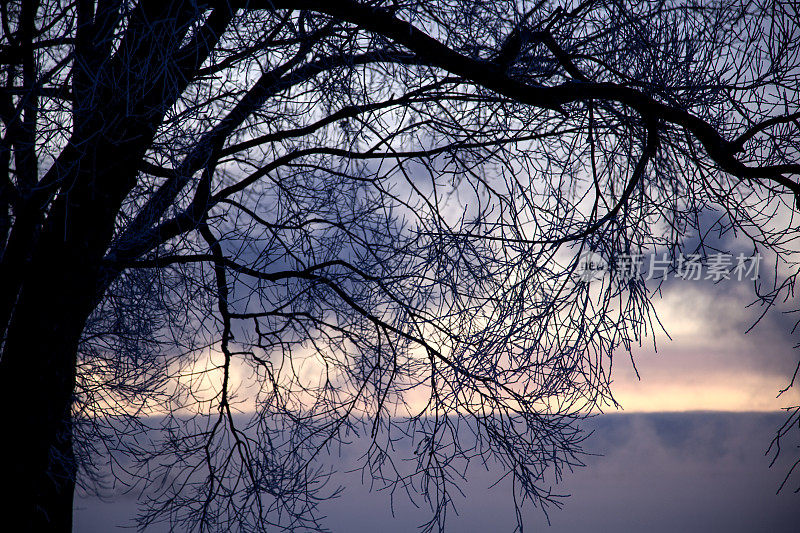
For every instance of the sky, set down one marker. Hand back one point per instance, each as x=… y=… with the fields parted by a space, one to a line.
x=685 y=453
x=710 y=363
x=654 y=472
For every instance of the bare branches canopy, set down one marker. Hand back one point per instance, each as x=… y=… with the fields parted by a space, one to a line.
x=236 y=235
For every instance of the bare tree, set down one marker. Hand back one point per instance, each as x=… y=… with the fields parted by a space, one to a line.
x=237 y=233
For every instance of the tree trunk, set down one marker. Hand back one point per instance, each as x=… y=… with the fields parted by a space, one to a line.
x=51 y=278
x=58 y=292
x=37 y=380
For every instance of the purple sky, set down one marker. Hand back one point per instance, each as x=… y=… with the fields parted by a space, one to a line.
x=665 y=466
x=688 y=472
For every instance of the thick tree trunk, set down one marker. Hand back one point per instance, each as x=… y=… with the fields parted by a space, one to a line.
x=59 y=290
x=37 y=380
x=51 y=278
x=38 y=365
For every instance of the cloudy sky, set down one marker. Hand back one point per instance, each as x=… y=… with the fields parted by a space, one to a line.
x=687 y=453
x=658 y=472
x=710 y=363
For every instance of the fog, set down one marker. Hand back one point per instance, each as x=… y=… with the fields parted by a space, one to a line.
x=658 y=472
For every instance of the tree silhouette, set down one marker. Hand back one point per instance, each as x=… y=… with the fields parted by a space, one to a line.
x=273 y=225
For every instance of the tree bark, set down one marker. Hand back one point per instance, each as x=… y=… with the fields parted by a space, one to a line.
x=58 y=292
x=37 y=380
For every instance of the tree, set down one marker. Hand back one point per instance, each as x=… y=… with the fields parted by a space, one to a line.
x=369 y=211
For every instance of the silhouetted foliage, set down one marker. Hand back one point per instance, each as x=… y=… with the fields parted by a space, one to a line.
x=237 y=234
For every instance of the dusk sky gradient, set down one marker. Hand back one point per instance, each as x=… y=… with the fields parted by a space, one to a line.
x=687 y=454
